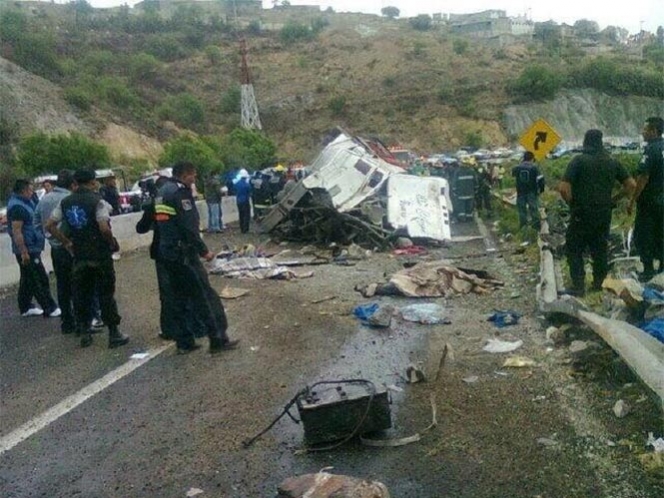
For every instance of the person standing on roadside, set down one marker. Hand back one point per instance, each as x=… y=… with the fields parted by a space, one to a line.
x=109 y=192
x=649 y=199
x=243 y=199
x=27 y=245
x=85 y=218
x=168 y=321
x=587 y=187
x=213 y=201
x=529 y=184
x=180 y=248
x=62 y=259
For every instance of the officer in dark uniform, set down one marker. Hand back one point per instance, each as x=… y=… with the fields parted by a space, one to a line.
x=483 y=190
x=181 y=247
x=649 y=198
x=587 y=186
x=168 y=321
x=86 y=220
x=529 y=184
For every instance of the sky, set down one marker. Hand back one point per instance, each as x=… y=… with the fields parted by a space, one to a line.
x=631 y=15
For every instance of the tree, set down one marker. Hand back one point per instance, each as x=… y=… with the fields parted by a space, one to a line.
x=421 y=22
x=243 y=148
x=40 y=153
x=391 y=12
x=190 y=148
x=583 y=28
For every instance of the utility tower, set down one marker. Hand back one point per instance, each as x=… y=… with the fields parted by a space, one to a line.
x=249 y=112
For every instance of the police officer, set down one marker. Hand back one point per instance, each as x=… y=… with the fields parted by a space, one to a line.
x=529 y=184
x=168 y=321
x=649 y=198
x=483 y=190
x=181 y=247
x=586 y=187
x=86 y=220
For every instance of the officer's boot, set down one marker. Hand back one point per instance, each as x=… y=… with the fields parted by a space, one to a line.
x=115 y=337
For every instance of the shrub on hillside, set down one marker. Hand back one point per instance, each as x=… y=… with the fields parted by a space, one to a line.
x=116 y=92
x=421 y=22
x=213 y=53
x=98 y=62
x=294 y=32
x=78 y=97
x=142 y=67
x=165 y=47
x=609 y=76
x=536 y=83
x=230 y=100
x=41 y=153
x=460 y=46
x=13 y=26
x=337 y=105
x=254 y=28
x=36 y=53
x=655 y=53
x=184 y=109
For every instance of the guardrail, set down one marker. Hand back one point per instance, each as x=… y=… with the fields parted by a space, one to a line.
x=641 y=352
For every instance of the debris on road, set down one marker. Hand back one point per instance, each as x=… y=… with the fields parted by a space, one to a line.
x=519 y=362
x=414 y=374
x=374 y=315
x=435 y=279
x=426 y=313
x=621 y=408
x=499 y=346
x=232 y=292
x=502 y=318
x=325 y=485
x=555 y=335
x=657 y=444
x=323 y=299
x=194 y=492
x=258 y=268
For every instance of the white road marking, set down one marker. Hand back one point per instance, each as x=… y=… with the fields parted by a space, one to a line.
x=68 y=404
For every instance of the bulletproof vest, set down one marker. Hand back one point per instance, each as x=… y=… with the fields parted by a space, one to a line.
x=79 y=212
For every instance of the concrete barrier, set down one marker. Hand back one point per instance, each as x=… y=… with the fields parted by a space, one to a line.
x=124 y=228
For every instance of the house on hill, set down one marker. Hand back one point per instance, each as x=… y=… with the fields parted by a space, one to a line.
x=227 y=8
x=491 y=25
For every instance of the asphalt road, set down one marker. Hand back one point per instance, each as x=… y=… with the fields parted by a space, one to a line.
x=112 y=426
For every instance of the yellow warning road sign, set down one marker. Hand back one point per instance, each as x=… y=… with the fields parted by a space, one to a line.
x=540 y=139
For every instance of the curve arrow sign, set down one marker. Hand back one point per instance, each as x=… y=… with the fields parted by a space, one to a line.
x=540 y=137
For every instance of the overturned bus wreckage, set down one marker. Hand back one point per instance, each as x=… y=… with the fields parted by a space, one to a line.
x=357 y=193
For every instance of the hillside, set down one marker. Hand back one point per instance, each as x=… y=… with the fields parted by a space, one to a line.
x=427 y=90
